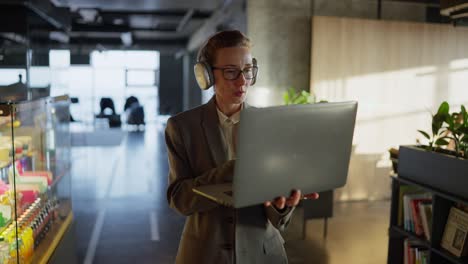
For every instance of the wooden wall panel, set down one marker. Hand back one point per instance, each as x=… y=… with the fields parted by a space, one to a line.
x=399 y=72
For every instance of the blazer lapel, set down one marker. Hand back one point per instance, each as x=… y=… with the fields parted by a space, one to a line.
x=213 y=133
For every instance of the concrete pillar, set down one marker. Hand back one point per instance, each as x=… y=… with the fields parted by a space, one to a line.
x=281 y=34
x=170 y=85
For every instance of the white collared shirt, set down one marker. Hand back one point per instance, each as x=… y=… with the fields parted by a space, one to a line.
x=229 y=127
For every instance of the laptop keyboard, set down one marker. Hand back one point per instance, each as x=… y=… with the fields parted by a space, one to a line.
x=228 y=193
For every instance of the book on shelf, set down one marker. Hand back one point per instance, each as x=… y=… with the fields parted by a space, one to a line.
x=415 y=252
x=417 y=218
x=455 y=232
x=425 y=211
x=411 y=216
x=403 y=190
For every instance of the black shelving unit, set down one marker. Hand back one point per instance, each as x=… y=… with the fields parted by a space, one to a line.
x=441 y=204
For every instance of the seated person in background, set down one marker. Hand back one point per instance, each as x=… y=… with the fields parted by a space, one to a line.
x=213 y=233
x=134 y=112
x=108 y=111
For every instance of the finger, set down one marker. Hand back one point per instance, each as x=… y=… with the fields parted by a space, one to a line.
x=298 y=193
x=280 y=202
x=267 y=203
x=311 y=196
x=298 y=197
x=294 y=199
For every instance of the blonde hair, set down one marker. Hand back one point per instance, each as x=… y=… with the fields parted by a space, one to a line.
x=223 y=39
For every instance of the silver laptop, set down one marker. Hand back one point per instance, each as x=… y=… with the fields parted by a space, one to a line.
x=282 y=148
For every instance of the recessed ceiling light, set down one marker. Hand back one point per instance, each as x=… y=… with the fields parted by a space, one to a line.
x=89 y=14
x=118 y=21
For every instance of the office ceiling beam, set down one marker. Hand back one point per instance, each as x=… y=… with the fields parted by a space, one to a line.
x=197 y=14
x=116 y=28
x=59 y=18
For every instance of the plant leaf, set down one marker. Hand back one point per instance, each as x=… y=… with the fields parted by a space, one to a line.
x=292 y=93
x=435 y=127
x=464 y=130
x=441 y=142
x=437 y=122
x=425 y=134
x=286 y=98
x=464 y=139
x=442 y=130
x=464 y=115
x=443 y=109
x=305 y=93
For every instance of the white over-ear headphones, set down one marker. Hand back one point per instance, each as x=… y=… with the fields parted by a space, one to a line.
x=204 y=74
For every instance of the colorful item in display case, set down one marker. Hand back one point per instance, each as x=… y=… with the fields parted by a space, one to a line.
x=42 y=174
x=5 y=156
x=3 y=187
x=24 y=244
x=22 y=173
x=29 y=196
x=4 y=251
x=3 y=220
x=16 y=124
x=5 y=160
x=5 y=209
x=37 y=183
x=32 y=226
x=5 y=215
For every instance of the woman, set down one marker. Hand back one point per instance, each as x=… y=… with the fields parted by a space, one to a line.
x=201 y=151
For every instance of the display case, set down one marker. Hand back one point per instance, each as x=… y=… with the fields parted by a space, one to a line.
x=35 y=180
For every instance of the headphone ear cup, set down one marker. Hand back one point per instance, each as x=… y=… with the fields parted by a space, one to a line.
x=203 y=75
x=254 y=80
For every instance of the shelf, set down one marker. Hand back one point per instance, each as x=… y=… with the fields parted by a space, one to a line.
x=431 y=190
x=447 y=255
x=442 y=203
x=403 y=232
x=48 y=245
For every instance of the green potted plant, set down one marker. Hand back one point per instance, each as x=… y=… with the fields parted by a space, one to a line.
x=291 y=96
x=434 y=164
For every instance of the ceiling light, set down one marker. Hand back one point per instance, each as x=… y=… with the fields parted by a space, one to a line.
x=88 y=15
x=126 y=39
x=118 y=21
x=59 y=36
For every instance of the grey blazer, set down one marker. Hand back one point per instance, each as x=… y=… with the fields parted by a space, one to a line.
x=212 y=233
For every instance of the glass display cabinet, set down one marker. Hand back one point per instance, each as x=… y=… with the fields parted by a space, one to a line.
x=35 y=180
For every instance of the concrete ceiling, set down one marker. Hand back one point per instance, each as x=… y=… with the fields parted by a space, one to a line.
x=142 y=5
x=131 y=24
x=128 y=24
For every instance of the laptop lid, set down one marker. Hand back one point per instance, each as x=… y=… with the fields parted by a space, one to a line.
x=281 y=148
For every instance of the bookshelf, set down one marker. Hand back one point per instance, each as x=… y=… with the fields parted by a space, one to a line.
x=441 y=204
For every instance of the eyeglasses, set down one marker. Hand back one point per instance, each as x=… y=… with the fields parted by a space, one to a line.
x=233 y=73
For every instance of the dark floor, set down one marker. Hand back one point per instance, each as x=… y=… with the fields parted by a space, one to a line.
x=121 y=213
x=119 y=202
